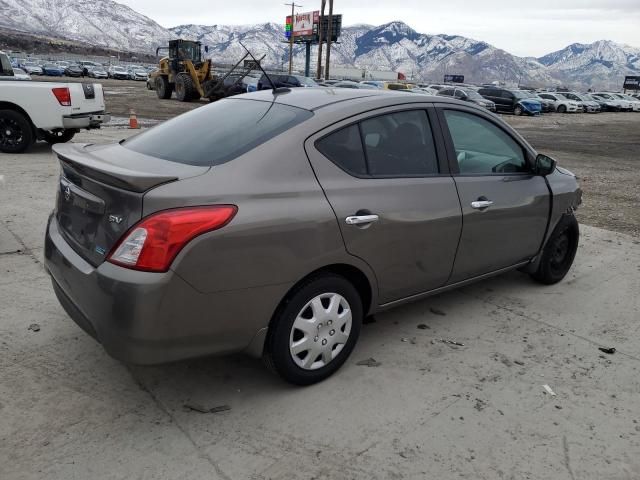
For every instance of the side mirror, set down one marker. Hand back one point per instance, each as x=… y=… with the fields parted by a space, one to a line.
x=545 y=165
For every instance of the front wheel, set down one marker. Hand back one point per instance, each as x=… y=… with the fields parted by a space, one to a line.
x=164 y=89
x=16 y=134
x=562 y=109
x=315 y=330
x=559 y=252
x=59 y=136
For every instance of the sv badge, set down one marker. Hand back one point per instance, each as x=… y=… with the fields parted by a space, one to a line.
x=117 y=219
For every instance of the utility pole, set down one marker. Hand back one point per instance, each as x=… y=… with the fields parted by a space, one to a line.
x=329 y=35
x=319 y=75
x=293 y=12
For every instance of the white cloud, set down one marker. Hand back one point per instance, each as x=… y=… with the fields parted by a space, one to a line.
x=531 y=29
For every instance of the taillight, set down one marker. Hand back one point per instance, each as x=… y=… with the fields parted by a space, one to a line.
x=63 y=95
x=153 y=243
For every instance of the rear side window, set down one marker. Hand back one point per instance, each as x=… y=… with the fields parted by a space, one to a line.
x=217 y=133
x=344 y=148
x=392 y=145
x=483 y=148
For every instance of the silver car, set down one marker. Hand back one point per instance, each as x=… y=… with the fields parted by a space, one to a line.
x=272 y=223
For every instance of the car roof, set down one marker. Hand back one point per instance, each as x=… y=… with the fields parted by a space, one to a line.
x=315 y=98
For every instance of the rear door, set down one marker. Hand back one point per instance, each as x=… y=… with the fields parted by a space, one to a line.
x=385 y=175
x=505 y=206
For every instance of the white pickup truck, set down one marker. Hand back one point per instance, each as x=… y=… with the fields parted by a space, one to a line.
x=49 y=111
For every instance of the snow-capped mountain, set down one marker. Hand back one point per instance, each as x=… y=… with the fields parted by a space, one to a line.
x=97 y=22
x=393 y=46
x=603 y=62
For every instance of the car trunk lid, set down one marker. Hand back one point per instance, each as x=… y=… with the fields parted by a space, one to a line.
x=101 y=191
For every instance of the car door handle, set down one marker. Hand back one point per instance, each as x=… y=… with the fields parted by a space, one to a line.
x=481 y=204
x=361 y=219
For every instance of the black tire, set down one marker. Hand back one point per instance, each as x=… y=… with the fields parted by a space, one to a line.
x=16 y=134
x=518 y=110
x=163 y=88
x=278 y=356
x=59 y=136
x=185 y=89
x=559 y=252
x=562 y=109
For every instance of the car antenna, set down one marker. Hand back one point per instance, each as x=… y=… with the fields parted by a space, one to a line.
x=273 y=85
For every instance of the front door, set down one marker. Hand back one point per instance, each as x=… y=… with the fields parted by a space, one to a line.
x=505 y=206
x=396 y=207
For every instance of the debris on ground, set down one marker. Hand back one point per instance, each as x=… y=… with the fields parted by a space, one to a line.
x=559 y=407
x=369 y=362
x=547 y=389
x=423 y=326
x=404 y=339
x=413 y=341
x=608 y=350
x=435 y=311
x=451 y=342
x=518 y=362
x=480 y=405
x=34 y=327
x=196 y=407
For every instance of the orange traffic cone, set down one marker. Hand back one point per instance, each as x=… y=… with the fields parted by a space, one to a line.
x=133 y=119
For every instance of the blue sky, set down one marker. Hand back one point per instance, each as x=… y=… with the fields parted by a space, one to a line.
x=521 y=27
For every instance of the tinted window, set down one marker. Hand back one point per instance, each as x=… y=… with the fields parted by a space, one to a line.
x=217 y=133
x=5 y=66
x=344 y=148
x=459 y=94
x=446 y=91
x=399 y=144
x=482 y=147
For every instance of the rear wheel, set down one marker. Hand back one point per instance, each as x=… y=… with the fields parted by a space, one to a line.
x=163 y=88
x=185 y=89
x=517 y=110
x=59 y=136
x=559 y=251
x=16 y=134
x=315 y=330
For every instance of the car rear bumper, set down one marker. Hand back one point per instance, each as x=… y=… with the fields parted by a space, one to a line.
x=150 y=318
x=92 y=120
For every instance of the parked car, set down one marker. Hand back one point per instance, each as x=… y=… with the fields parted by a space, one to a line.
x=281 y=80
x=373 y=83
x=73 y=71
x=356 y=85
x=52 y=70
x=562 y=103
x=622 y=105
x=32 y=68
x=85 y=65
x=319 y=210
x=20 y=74
x=513 y=101
x=606 y=105
x=151 y=81
x=97 y=72
x=548 y=106
x=49 y=111
x=117 y=72
x=467 y=95
x=635 y=103
x=587 y=104
x=139 y=75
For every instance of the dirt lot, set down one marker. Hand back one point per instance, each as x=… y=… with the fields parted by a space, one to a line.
x=601 y=149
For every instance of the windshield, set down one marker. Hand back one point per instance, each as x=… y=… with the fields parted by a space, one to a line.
x=217 y=133
x=119 y=69
x=474 y=95
x=521 y=95
x=307 y=82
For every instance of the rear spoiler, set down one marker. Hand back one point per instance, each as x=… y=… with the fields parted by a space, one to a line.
x=109 y=168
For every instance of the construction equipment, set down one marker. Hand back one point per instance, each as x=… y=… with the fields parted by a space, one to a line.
x=192 y=78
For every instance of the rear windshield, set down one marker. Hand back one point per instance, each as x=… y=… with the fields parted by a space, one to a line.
x=217 y=133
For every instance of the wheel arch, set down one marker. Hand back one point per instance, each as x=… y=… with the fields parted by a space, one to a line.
x=16 y=108
x=358 y=278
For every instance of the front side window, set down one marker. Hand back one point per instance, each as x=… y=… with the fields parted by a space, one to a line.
x=483 y=148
